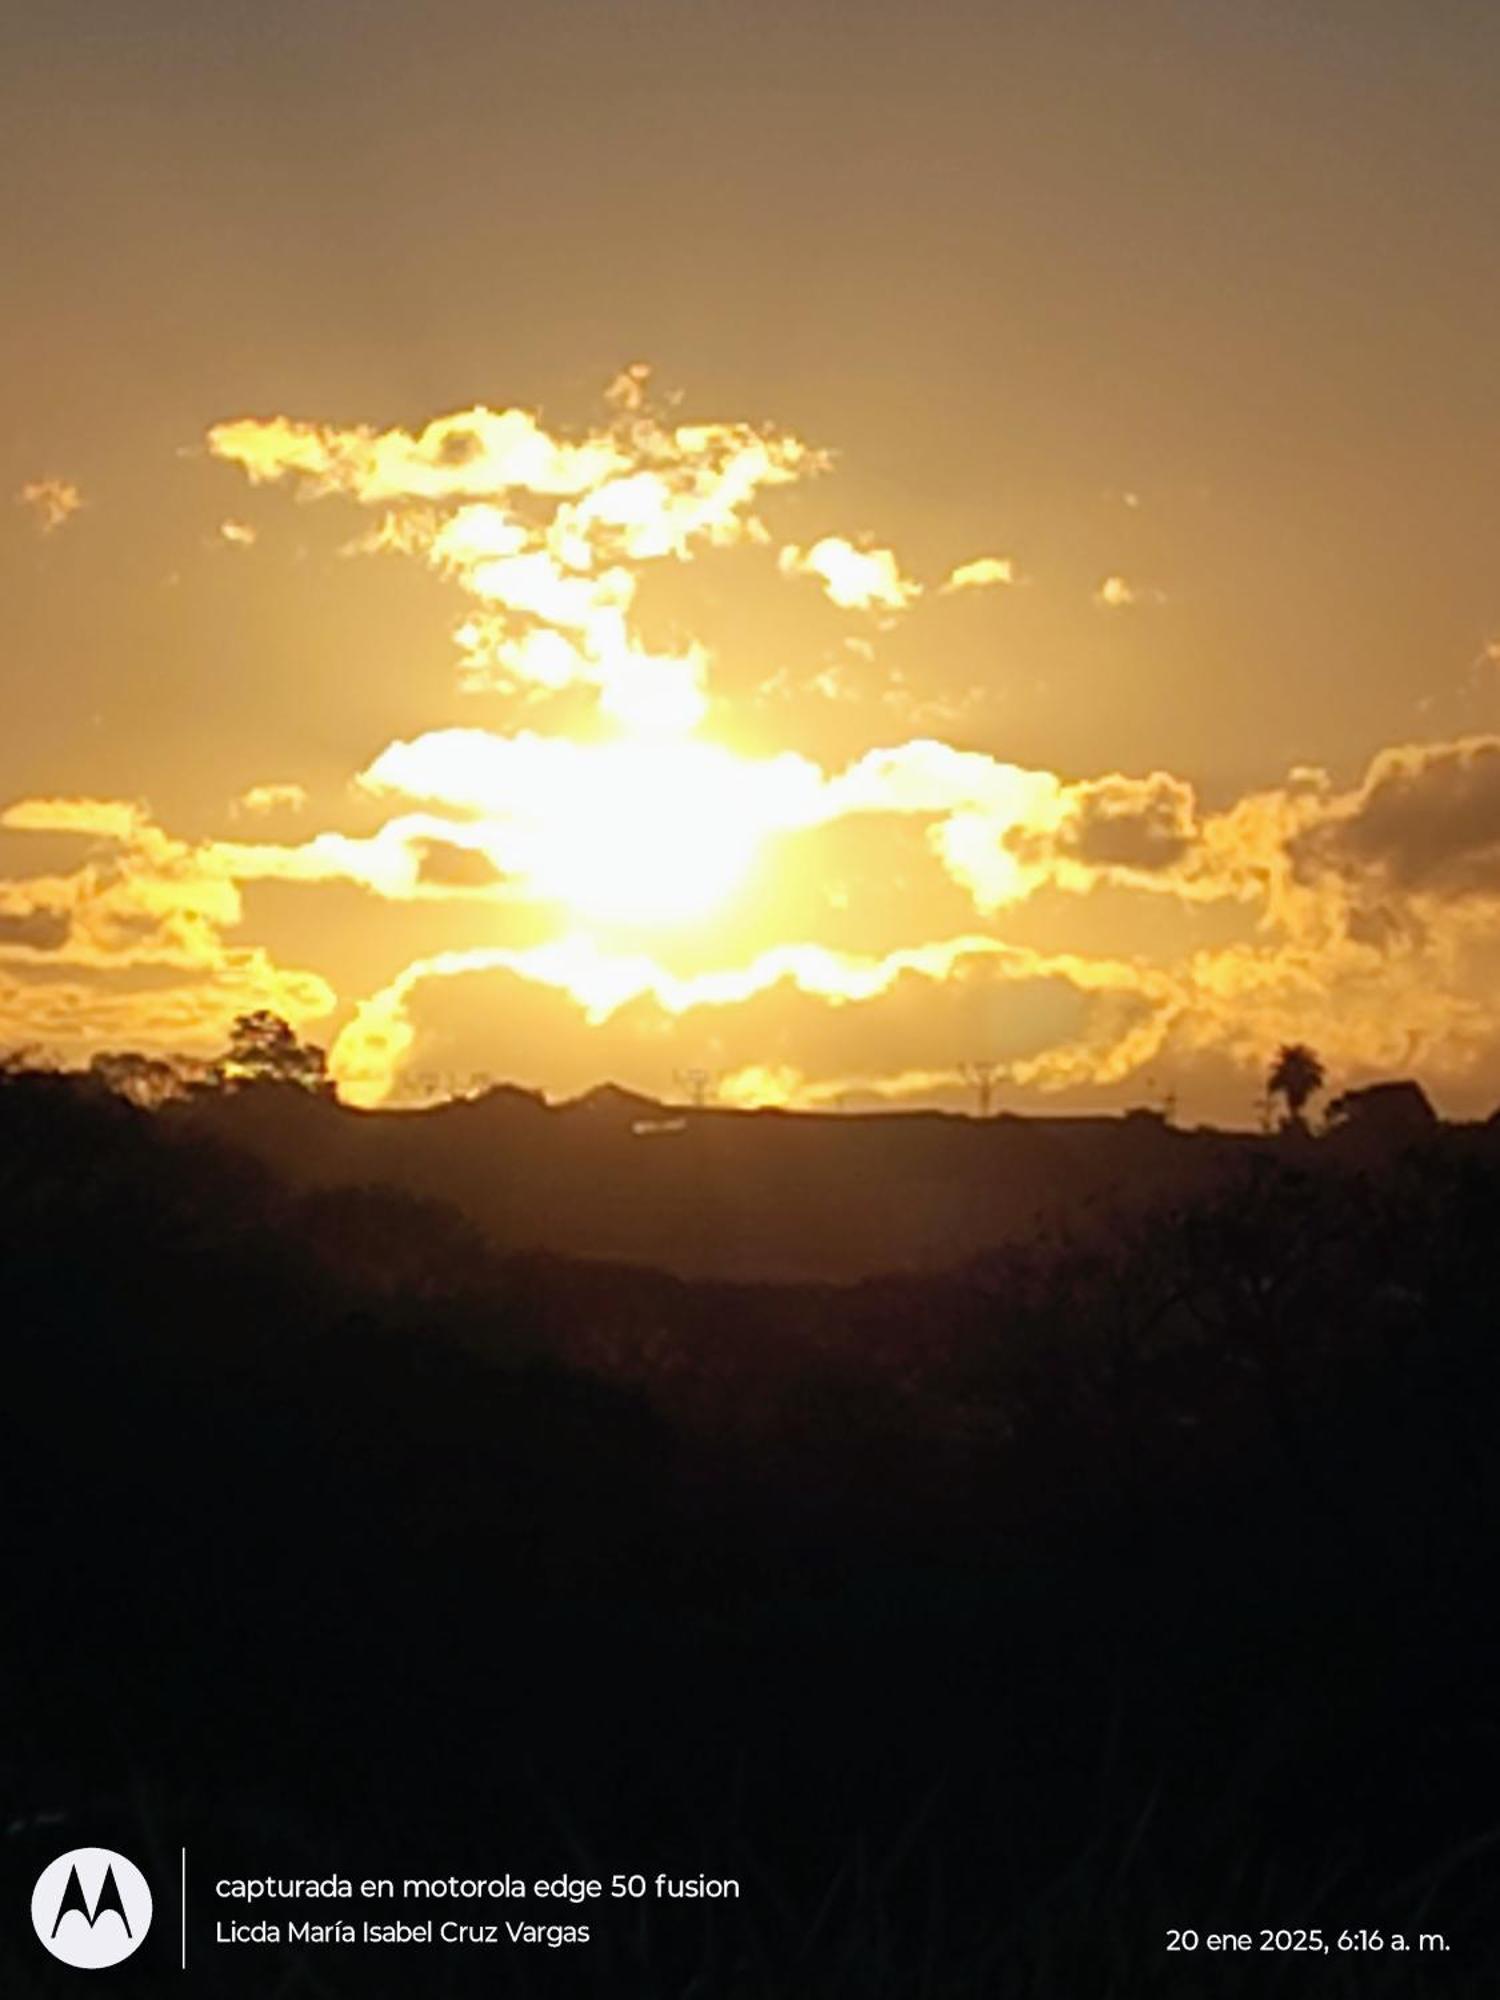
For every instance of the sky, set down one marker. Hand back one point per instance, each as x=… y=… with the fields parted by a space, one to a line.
x=810 y=548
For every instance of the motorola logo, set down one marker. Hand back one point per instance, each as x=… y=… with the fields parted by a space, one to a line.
x=91 y=1908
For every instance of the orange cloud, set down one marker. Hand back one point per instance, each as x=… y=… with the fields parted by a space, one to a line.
x=271 y=798
x=983 y=573
x=54 y=502
x=470 y=496
x=853 y=578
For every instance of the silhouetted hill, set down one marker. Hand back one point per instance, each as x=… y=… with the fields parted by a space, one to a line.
x=988 y=1623
x=734 y=1194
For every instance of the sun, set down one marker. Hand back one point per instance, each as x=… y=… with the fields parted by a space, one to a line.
x=628 y=833
x=654 y=838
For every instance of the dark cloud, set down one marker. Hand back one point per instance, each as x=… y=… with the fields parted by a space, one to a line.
x=917 y=1024
x=1136 y=823
x=35 y=930
x=1426 y=820
x=442 y=864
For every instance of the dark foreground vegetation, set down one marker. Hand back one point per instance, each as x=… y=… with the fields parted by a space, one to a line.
x=986 y=1626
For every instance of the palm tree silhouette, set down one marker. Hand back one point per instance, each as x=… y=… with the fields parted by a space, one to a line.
x=1295 y=1076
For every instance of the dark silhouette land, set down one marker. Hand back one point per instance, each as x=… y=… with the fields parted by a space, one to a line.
x=1112 y=1549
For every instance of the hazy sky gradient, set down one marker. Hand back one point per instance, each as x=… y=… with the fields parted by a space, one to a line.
x=1197 y=298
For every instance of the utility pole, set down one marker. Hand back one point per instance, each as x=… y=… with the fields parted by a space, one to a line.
x=1164 y=1101
x=981 y=1076
x=699 y=1084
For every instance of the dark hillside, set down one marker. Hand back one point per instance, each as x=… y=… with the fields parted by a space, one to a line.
x=732 y=1194
x=985 y=1623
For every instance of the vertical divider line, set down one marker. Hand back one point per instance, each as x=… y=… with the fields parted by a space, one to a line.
x=184 y=1909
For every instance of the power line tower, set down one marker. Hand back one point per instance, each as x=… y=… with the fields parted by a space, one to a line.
x=1163 y=1099
x=982 y=1075
x=700 y=1085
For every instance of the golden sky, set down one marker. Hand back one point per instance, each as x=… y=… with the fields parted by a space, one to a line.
x=816 y=546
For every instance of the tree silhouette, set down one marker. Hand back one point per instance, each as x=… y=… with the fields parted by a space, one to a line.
x=1295 y=1076
x=26 y=1060
x=263 y=1048
x=149 y=1081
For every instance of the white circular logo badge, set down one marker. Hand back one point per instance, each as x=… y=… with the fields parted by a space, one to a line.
x=91 y=1908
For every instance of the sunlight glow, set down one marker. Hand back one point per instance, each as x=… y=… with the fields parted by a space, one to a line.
x=654 y=836
x=627 y=832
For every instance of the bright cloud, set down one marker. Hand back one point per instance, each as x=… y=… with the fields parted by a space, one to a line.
x=984 y=573
x=544 y=532
x=1116 y=593
x=638 y=831
x=471 y=454
x=855 y=579
x=53 y=501
x=643 y=887
x=648 y=834
x=272 y=798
